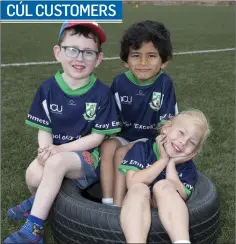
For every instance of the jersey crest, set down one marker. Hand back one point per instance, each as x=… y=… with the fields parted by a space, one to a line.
x=155 y=104
x=90 y=111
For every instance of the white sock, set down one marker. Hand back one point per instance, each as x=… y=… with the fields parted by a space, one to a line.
x=108 y=201
x=182 y=241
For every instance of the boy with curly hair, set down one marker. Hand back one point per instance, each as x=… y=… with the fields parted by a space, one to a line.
x=145 y=97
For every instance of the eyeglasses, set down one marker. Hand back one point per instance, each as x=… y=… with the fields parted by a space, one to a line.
x=72 y=52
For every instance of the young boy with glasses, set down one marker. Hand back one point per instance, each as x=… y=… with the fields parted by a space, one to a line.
x=73 y=111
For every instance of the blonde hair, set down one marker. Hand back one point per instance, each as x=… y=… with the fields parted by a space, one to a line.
x=196 y=116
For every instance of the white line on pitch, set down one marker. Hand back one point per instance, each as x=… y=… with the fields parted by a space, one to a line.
x=116 y=58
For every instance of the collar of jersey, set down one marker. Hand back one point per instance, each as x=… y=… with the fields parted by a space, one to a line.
x=80 y=91
x=131 y=77
x=155 y=150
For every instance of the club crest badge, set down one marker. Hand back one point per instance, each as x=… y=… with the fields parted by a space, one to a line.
x=155 y=104
x=90 y=111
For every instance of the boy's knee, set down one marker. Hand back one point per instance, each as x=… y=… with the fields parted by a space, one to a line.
x=109 y=146
x=33 y=177
x=55 y=162
x=163 y=186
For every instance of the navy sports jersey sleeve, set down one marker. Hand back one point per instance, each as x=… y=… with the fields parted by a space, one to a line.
x=38 y=115
x=188 y=176
x=106 y=121
x=169 y=106
x=135 y=158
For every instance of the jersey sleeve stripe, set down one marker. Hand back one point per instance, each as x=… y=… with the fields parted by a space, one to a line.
x=117 y=98
x=45 y=107
x=106 y=132
x=38 y=126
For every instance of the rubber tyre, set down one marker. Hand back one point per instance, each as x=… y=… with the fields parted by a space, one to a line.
x=76 y=219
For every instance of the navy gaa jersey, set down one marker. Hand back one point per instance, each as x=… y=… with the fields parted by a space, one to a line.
x=71 y=114
x=143 y=154
x=142 y=107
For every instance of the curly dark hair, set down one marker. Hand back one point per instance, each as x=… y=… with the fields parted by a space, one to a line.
x=84 y=31
x=144 y=32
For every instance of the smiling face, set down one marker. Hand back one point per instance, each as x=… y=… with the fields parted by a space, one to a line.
x=145 y=62
x=77 y=68
x=183 y=136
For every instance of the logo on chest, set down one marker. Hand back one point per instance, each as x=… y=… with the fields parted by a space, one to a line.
x=126 y=99
x=155 y=104
x=90 y=111
x=71 y=103
x=56 y=109
x=140 y=93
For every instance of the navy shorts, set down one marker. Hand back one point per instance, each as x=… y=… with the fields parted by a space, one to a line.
x=89 y=175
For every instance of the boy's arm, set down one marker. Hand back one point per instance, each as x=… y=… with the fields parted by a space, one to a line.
x=85 y=143
x=38 y=115
x=146 y=176
x=44 y=139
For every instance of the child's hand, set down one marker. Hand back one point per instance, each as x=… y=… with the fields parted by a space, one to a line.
x=43 y=155
x=54 y=149
x=180 y=160
x=161 y=140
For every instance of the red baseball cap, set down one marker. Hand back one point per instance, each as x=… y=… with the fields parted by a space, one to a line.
x=92 y=25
